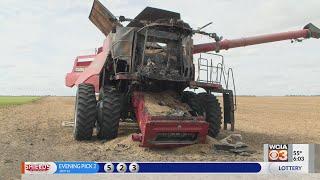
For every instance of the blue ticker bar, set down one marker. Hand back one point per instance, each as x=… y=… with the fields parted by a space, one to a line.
x=155 y=167
x=199 y=167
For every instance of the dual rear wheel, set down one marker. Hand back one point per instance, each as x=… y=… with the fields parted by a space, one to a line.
x=105 y=114
x=85 y=112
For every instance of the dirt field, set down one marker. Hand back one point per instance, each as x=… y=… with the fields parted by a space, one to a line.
x=33 y=132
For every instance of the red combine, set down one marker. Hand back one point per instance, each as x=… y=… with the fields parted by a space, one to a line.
x=143 y=72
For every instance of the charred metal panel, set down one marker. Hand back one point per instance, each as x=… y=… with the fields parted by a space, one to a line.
x=102 y=18
x=187 y=44
x=160 y=34
x=152 y=14
x=122 y=42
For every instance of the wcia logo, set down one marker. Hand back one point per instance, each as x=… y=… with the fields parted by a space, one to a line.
x=278 y=152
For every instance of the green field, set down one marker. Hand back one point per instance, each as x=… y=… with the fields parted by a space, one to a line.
x=17 y=100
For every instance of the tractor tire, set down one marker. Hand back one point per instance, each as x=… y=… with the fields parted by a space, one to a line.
x=109 y=112
x=212 y=107
x=123 y=101
x=208 y=105
x=85 y=112
x=186 y=96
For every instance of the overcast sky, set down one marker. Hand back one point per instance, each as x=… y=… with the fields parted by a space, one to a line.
x=39 y=40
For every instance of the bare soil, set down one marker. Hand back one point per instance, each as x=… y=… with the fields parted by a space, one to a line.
x=34 y=132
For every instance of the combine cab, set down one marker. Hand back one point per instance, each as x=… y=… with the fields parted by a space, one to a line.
x=142 y=72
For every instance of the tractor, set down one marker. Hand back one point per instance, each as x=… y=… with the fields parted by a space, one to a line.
x=145 y=73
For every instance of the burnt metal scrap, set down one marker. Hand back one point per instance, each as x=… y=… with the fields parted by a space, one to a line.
x=159 y=72
x=159 y=66
x=150 y=14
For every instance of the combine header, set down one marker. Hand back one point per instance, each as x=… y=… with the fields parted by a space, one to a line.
x=142 y=72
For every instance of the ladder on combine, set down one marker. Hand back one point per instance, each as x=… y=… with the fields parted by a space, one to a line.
x=211 y=69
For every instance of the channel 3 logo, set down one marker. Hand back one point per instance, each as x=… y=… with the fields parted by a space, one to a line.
x=278 y=152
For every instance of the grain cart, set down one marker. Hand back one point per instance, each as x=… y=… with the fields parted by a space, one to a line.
x=142 y=71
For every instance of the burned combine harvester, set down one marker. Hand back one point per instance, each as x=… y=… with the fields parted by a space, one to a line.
x=141 y=73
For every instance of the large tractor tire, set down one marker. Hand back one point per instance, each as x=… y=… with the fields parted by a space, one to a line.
x=187 y=95
x=207 y=105
x=109 y=112
x=124 y=104
x=85 y=112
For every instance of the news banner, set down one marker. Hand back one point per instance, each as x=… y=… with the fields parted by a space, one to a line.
x=278 y=158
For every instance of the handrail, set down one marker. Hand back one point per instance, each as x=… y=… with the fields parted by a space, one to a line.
x=222 y=77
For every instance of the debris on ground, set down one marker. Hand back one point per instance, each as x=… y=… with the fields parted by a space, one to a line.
x=68 y=123
x=233 y=143
x=121 y=147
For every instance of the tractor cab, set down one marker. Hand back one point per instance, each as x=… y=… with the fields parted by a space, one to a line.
x=164 y=52
x=155 y=45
